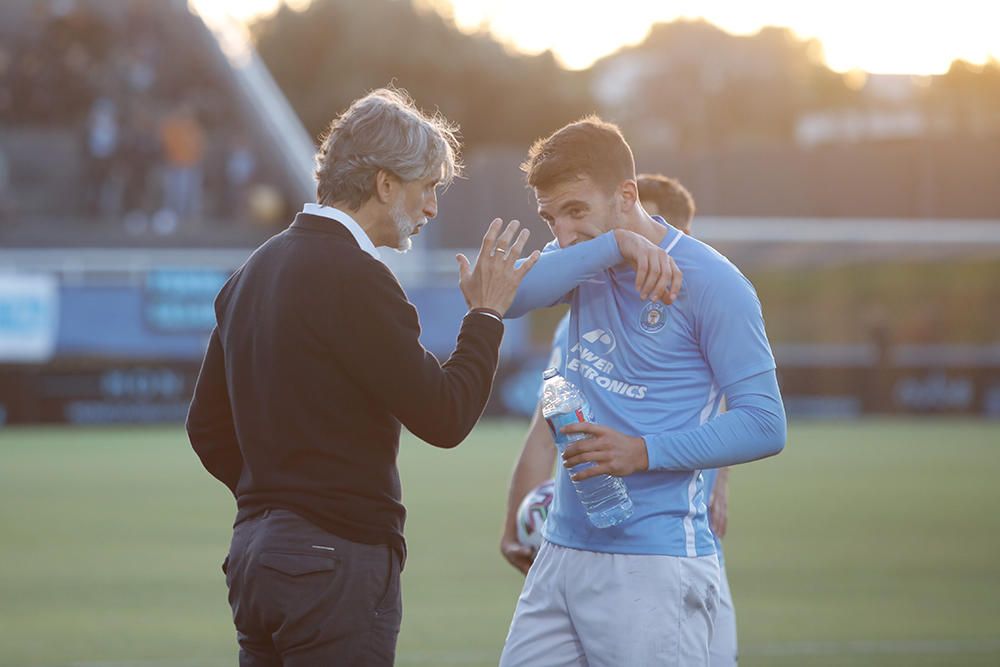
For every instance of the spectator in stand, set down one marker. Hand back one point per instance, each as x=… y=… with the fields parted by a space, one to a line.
x=183 y=142
x=140 y=157
x=101 y=148
x=6 y=80
x=6 y=203
x=239 y=172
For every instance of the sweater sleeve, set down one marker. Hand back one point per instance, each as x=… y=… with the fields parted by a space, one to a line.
x=559 y=270
x=439 y=403
x=210 y=419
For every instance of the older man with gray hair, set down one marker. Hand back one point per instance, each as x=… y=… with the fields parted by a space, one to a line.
x=313 y=366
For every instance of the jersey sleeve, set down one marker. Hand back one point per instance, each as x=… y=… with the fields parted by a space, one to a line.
x=753 y=428
x=730 y=327
x=559 y=270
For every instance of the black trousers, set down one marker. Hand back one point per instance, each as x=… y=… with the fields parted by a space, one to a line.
x=302 y=597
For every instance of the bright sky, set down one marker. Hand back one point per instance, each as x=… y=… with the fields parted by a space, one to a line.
x=883 y=36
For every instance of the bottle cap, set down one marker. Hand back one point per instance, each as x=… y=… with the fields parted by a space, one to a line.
x=549 y=373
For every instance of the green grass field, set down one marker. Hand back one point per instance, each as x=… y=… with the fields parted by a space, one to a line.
x=864 y=543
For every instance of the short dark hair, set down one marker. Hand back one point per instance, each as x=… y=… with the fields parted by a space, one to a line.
x=672 y=199
x=589 y=147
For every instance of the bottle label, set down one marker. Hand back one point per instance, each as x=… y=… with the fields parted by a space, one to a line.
x=556 y=422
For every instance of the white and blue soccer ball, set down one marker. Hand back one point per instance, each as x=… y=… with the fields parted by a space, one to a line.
x=532 y=513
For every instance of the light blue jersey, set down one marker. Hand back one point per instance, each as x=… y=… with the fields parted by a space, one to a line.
x=652 y=370
x=560 y=345
x=708 y=479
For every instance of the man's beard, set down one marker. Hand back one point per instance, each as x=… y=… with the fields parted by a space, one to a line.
x=405 y=226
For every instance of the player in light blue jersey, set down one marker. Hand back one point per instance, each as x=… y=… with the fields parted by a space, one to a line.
x=644 y=592
x=665 y=197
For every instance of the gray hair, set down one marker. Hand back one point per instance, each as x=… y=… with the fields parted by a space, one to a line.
x=383 y=130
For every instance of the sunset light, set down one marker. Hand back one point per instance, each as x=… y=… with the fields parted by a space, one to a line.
x=883 y=37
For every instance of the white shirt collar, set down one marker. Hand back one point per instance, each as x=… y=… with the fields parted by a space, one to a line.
x=347 y=221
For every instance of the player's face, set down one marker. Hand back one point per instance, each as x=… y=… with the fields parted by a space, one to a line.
x=577 y=210
x=653 y=209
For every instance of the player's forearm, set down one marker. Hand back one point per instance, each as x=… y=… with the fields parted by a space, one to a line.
x=521 y=483
x=558 y=272
x=533 y=467
x=753 y=428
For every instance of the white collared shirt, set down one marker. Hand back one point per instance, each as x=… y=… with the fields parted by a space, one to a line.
x=347 y=221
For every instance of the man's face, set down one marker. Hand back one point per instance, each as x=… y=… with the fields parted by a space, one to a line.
x=414 y=205
x=577 y=210
x=653 y=209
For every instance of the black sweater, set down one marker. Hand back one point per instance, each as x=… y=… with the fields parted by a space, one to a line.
x=314 y=363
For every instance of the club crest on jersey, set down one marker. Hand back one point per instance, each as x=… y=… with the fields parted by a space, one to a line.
x=653 y=317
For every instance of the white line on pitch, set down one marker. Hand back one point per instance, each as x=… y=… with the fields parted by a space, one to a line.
x=874 y=647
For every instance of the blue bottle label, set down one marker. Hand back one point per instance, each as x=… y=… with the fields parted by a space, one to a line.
x=556 y=422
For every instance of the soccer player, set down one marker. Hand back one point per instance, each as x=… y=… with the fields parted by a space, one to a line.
x=667 y=198
x=646 y=591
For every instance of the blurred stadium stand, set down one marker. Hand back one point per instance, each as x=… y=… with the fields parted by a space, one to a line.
x=151 y=123
x=878 y=264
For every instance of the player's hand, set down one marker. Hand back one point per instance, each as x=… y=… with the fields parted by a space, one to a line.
x=657 y=277
x=518 y=555
x=718 y=504
x=493 y=282
x=612 y=453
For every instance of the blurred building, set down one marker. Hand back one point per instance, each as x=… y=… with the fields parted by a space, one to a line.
x=145 y=150
x=758 y=125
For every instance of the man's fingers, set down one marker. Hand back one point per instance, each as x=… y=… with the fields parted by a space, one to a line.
x=585 y=427
x=526 y=265
x=519 y=556
x=587 y=457
x=490 y=238
x=505 y=240
x=676 y=279
x=659 y=290
x=464 y=268
x=641 y=267
x=717 y=516
x=518 y=549
x=515 y=250
x=591 y=450
x=655 y=268
x=592 y=471
x=583 y=446
x=716 y=523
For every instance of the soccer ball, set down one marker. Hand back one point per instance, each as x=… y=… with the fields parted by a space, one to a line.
x=532 y=514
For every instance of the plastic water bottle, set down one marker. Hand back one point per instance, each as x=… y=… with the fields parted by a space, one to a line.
x=605 y=497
